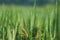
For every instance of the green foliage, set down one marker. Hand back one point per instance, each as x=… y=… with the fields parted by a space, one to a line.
x=28 y=23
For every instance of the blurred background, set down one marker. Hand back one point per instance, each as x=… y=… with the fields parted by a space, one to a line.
x=29 y=19
x=27 y=2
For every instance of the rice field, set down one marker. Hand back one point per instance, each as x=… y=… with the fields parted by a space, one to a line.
x=28 y=23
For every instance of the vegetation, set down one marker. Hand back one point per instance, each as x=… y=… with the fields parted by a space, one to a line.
x=29 y=23
x=21 y=23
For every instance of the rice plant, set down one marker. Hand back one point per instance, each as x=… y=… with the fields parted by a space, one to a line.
x=29 y=23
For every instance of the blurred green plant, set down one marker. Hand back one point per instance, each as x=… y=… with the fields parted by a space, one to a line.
x=28 y=23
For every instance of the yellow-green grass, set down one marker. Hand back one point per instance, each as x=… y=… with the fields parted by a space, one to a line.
x=17 y=19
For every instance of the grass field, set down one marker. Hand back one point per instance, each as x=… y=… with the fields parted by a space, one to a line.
x=28 y=23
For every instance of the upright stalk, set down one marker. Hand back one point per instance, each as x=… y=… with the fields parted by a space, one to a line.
x=58 y=21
